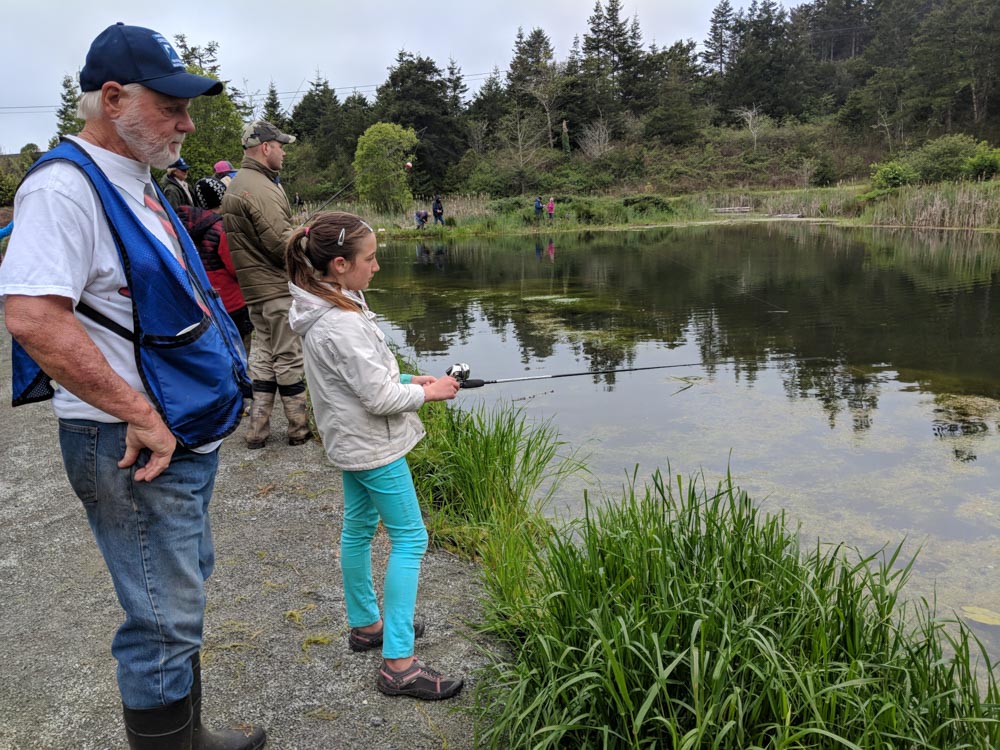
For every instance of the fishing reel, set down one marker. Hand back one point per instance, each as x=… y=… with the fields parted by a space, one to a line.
x=460 y=371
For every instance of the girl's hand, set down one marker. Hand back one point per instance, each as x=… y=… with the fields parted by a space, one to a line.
x=442 y=389
x=422 y=379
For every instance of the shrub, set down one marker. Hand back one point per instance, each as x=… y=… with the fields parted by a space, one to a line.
x=943 y=158
x=893 y=174
x=506 y=205
x=642 y=204
x=982 y=165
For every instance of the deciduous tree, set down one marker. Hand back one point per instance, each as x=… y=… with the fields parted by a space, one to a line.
x=380 y=166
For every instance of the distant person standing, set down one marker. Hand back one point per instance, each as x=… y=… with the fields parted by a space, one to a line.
x=258 y=221
x=551 y=208
x=438 y=210
x=209 y=235
x=224 y=172
x=175 y=187
x=538 y=208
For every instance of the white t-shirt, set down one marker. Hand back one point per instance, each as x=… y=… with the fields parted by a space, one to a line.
x=62 y=245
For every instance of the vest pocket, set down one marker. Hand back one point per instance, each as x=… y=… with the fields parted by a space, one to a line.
x=191 y=378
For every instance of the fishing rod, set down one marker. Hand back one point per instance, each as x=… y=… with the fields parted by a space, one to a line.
x=330 y=200
x=461 y=371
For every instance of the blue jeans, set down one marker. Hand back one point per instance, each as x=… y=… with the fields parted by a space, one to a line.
x=157 y=543
x=387 y=493
x=439 y=219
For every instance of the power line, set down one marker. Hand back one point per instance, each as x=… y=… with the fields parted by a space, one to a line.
x=33 y=109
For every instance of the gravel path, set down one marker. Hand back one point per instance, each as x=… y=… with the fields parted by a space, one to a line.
x=276 y=634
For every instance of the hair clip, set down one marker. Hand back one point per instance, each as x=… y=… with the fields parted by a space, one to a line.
x=307 y=231
x=340 y=239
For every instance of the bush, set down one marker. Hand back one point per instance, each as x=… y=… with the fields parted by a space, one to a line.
x=943 y=158
x=587 y=211
x=982 y=165
x=893 y=174
x=642 y=204
x=506 y=205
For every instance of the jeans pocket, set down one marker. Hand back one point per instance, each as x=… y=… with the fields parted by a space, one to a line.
x=78 y=443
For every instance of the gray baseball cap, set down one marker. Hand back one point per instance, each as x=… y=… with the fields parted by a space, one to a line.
x=261 y=131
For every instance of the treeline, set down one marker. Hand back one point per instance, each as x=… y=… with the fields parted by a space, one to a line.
x=780 y=97
x=770 y=98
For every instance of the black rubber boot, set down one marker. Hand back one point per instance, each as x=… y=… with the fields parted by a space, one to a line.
x=250 y=738
x=165 y=728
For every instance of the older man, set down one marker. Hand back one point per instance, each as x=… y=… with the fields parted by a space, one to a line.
x=258 y=221
x=149 y=367
x=175 y=187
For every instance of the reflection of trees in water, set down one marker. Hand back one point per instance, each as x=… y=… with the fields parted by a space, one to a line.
x=963 y=422
x=920 y=303
x=838 y=388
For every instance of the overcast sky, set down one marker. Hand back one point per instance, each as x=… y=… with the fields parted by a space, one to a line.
x=351 y=44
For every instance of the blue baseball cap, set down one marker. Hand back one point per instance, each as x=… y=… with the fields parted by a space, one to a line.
x=132 y=54
x=180 y=164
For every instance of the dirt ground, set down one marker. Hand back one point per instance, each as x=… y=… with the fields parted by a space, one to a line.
x=275 y=635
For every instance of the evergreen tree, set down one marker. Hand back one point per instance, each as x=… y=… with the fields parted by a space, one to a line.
x=456 y=87
x=613 y=61
x=533 y=56
x=204 y=58
x=316 y=105
x=416 y=95
x=67 y=123
x=771 y=67
x=483 y=115
x=953 y=72
x=718 y=45
x=273 y=112
x=675 y=116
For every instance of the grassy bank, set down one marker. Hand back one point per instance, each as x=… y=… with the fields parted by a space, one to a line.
x=957 y=205
x=676 y=616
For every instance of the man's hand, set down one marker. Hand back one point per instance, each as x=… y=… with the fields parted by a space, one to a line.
x=160 y=442
x=50 y=333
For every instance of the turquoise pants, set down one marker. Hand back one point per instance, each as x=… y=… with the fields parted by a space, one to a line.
x=387 y=493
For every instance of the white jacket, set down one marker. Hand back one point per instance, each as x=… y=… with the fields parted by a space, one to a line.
x=364 y=414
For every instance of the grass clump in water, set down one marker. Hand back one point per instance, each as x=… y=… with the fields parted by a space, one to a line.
x=680 y=618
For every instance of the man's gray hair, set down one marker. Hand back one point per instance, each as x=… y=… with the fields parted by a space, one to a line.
x=89 y=106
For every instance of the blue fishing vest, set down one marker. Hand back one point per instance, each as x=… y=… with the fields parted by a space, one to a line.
x=192 y=364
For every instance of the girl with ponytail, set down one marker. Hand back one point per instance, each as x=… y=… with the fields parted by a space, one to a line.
x=366 y=415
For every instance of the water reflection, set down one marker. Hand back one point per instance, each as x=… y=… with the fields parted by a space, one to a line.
x=850 y=377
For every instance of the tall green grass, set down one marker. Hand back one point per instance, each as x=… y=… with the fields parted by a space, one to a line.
x=680 y=618
x=483 y=478
x=483 y=469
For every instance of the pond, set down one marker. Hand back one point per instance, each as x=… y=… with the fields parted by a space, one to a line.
x=850 y=378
